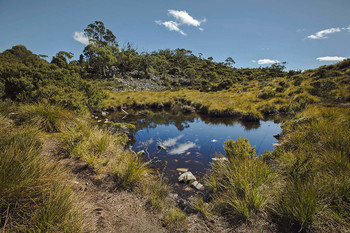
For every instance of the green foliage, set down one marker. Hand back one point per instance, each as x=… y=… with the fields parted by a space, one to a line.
x=27 y=78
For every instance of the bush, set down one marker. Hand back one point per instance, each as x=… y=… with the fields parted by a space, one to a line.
x=27 y=78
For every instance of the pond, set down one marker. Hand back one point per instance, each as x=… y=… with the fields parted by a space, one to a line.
x=190 y=140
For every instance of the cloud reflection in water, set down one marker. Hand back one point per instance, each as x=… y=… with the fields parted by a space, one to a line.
x=182 y=148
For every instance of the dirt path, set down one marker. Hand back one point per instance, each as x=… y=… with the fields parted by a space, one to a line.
x=106 y=209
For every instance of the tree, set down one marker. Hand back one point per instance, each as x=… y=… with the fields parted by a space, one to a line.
x=61 y=59
x=99 y=35
x=102 y=51
x=229 y=61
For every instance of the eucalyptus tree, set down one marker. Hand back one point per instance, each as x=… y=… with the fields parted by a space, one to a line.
x=102 y=51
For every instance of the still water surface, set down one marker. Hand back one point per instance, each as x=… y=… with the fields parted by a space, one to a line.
x=192 y=140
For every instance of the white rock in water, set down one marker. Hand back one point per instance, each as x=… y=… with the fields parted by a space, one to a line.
x=187 y=177
x=198 y=185
x=219 y=159
x=182 y=169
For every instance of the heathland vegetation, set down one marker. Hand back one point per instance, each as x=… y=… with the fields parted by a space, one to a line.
x=303 y=185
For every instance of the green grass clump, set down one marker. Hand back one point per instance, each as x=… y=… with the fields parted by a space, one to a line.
x=46 y=117
x=130 y=169
x=316 y=165
x=33 y=197
x=105 y=152
x=243 y=185
x=202 y=207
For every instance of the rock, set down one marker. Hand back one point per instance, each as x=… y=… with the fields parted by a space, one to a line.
x=103 y=113
x=96 y=117
x=99 y=121
x=188 y=189
x=162 y=147
x=187 y=109
x=276 y=144
x=187 y=177
x=174 y=195
x=106 y=121
x=198 y=185
x=140 y=153
x=219 y=159
x=182 y=169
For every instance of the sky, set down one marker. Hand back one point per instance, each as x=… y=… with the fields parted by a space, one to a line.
x=304 y=33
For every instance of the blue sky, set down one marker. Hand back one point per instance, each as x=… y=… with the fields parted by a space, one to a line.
x=253 y=32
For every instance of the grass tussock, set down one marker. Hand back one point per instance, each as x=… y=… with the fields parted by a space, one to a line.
x=46 y=117
x=157 y=192
x=244 y=185
x=105 y=152
x=33 y=197
x=316 y=164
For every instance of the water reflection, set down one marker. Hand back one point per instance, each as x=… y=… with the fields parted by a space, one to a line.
x=170 y=141
x=147 y=119
x=182 y=148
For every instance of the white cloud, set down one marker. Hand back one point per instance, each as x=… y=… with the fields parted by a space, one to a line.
x=172 y=26
x=80 y=37
x=329 y=58
x=266 y=61
x=181 y=18
x=184 y=18
x=322 y=34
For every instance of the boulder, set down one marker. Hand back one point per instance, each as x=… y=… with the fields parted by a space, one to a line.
x=198 y=185
x=187 y=177
x=182 y=169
